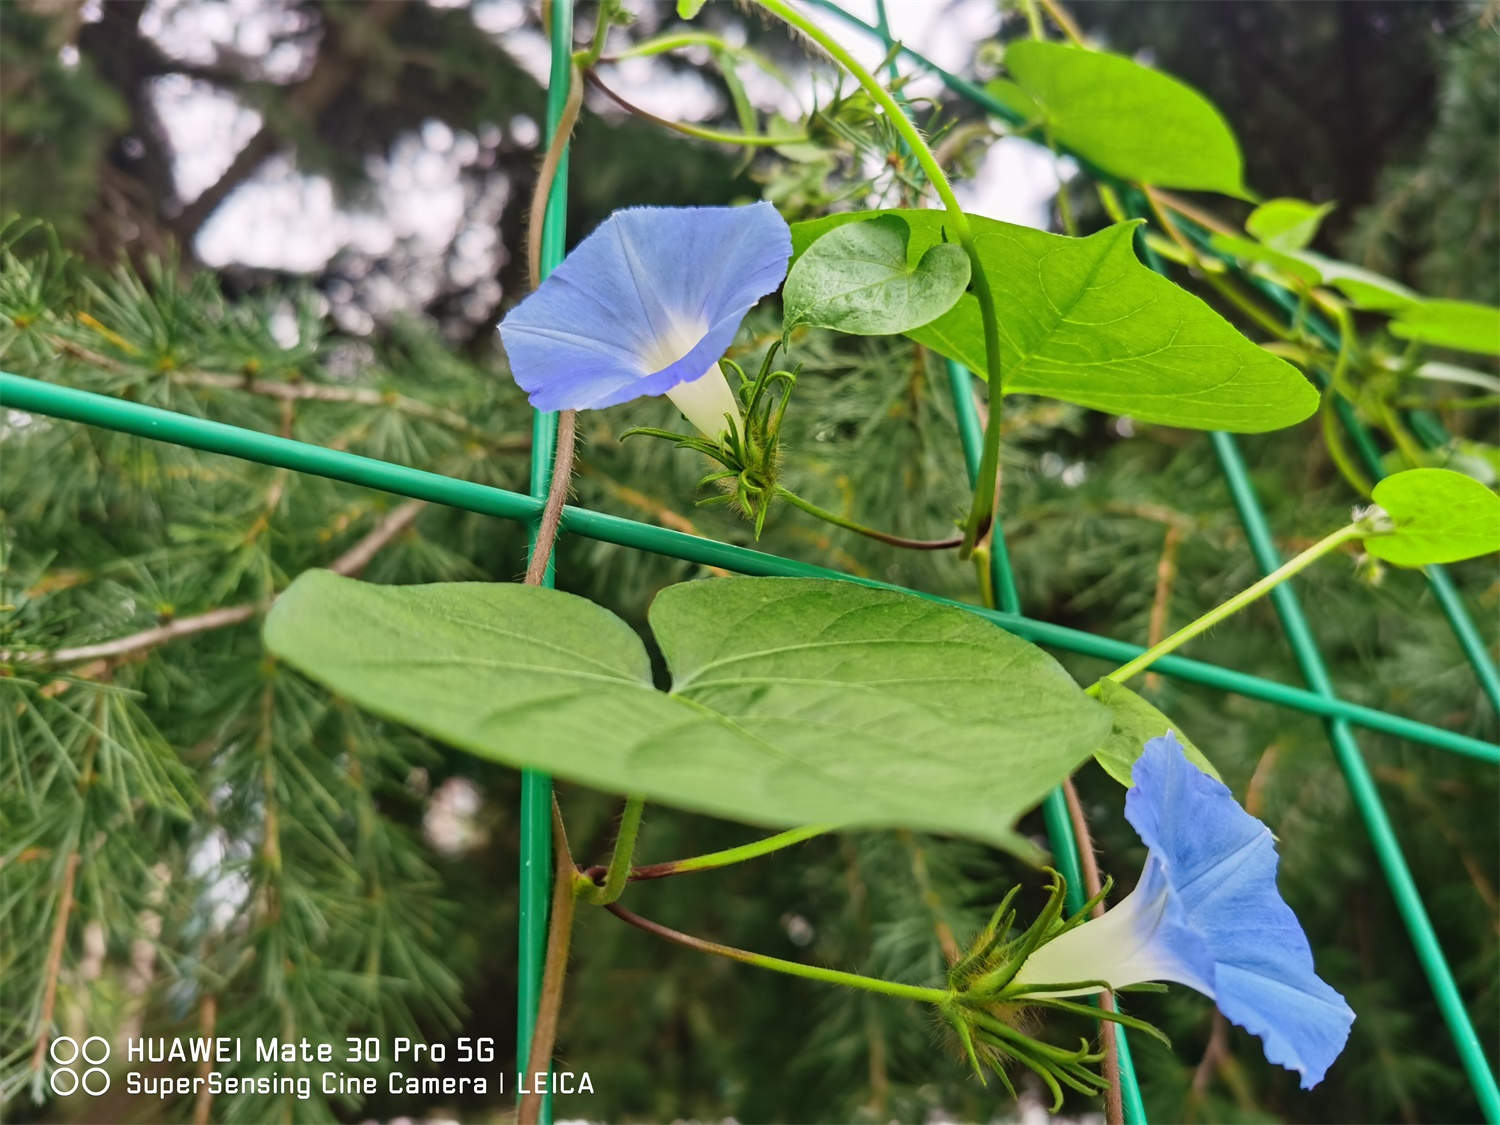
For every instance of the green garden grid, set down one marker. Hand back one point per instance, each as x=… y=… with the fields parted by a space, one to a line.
x=1319 y=698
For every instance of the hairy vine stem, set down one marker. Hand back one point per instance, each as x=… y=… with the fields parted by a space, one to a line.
x=559 y=940
x=1114 y=1102
x=565 y=883
x=696 y=131
x=619 y=871
x=936 y=996
x=986 y=498
x=837 y=520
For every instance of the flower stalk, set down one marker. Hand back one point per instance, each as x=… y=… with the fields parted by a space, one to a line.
x=1356 y=530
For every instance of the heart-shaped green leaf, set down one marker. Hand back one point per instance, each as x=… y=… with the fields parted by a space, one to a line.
x=1439 y=516
x=1286 y=224
x=1450 y=324
x=856 y=279
x=1134 y=721
x=1127 y=119
x=1082 y=320
x=1015 y=99
x=793 y=701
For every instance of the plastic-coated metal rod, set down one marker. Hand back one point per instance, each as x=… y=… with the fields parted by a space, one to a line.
x=1362 y=789
x=971 y=434
x=52 y=400
x=535 y=883
x=1357 y=776
x=1447 y=595
x=1361 y=785
x=1055 y=805
x=1003 y=586
x=1448 y=598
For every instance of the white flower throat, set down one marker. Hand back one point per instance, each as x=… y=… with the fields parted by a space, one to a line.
x=704 y=401
x=1121 y=947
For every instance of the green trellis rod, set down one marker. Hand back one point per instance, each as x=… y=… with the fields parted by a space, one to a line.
x=101 y=410
x=535 y=877
x=1443 y=589
x=1299 y=635
x=1055 y=815
x=34 y=396
x=1055 y=807
x=1442 y=586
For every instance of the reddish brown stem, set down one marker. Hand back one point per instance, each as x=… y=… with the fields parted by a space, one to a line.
x=1114 y=1106
x=54 y=961
x=350 y=563
x=559 y=939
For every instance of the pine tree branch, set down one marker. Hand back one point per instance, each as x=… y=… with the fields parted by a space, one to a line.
x=140 y=642
x=353 y=561
x=1161 y=597
x=333 y=71
x=54 y=961
x=208 y=1017
x=362 y=396
x=312 y=392
x=349 y=564
x=930 y=898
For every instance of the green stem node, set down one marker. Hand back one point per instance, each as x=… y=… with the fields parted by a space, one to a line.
x=618 y=872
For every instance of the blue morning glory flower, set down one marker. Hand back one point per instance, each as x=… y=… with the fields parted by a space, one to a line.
x=1206 y=913
x=647 y=304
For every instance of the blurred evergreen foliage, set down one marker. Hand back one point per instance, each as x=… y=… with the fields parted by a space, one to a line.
x=194 y=840
x=1437 y=218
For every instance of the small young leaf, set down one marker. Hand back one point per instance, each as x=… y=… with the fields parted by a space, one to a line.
x=1288 y=263
x=1082 y=320
x=1135 y=721
x=1134 y=122
x=1286 y=224
x=1440 y=516
x=1450 y=324
x=687 y=9
x=794 y=701
x=1365 y=289
x=856 y=279
x=1452 y=373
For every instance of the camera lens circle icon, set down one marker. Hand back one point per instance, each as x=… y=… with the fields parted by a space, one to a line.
x=64 y=1044
x=63 y=1081
x=65 y=1051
